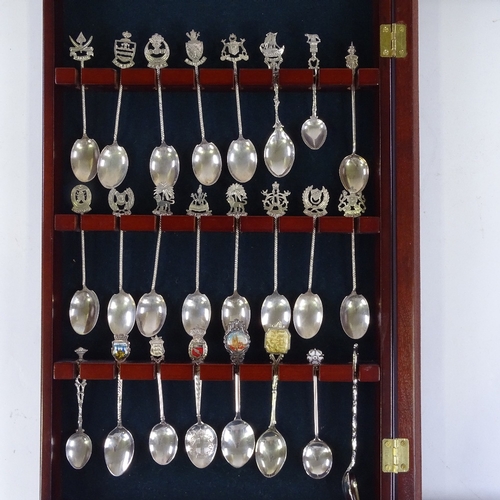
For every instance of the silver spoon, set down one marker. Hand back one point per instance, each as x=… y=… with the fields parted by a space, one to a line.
x=79 y=444
x=308 y=308
x=314 y=130
x=206 y=159
x=85 y=151
x=119 y=444
x=163 y=440
x=238 y=438
x=201 y=439
x=236 y=307
x=279 y=152
x=164 y=165
x=241 y=155
x=353 y=170
x=349 y=482
x=271 y=449
x=317 y=456
x=354 y=310
x=275 y=308
x=151 y=308
x=196 y=309
x=112 y=165
x=84 y=306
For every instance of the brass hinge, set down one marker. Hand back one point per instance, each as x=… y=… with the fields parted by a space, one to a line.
x=393 y=40
x=395 y=455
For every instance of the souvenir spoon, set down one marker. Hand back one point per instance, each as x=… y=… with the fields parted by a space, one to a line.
x=317 y=457
x=241 y=156
x=196 y=309
x=238 y=438
x=119 y=444
x=354 y=310
x=163 y=441
x=275 y=308
x=353 y=169
x=206 y=159
x=79 y=444
x=164 y=163
x=201 y=439
x=236 y=307
x=85 y=151
x=121 y=307
x=349 y=482
x=308 y=308
x=84 y=306
x=279 y=152
x=271 y=449
x=112 y=165
x=313 y=130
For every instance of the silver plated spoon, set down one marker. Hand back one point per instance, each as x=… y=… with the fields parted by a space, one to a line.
x=84 y=306
x=196 y=309
x=308 y=308
x=79 y=444
x=241 y=155
x=354 y=310
x=163 y=440
x=206 y=159
x=201 y=439
x=236 y=307
x=314 y=130
x=119 y=445
x=349 y=481
x=275 y=308
x=271 y=449
x=353 y=170
x=85 y=151
x=279 y=152
x=164 y=165
x=238 y=437
x=317 y=456
x=112 y=166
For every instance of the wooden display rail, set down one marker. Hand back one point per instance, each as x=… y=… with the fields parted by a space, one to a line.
x=215 y=223
x=106 y=370
x=216 y=79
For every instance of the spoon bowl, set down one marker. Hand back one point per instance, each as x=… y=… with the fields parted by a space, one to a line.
x=275 y=309
x=151 y=313
x=78 y=449
x=164 y=165
x=112 y=165
x=317 y=459
x=350 y=486
x=235 y=307
x=196 y=312
x=207 y=163
x=163 y=443
x=118 y=450
x=270 y=452
x=355 y=315
x=237 y=442
x=83 y=158
x=242 y=159
x=201 y=444
x=314 y=132
x=354 y=173
x=121 y=313
x=308 y=314
x=84 y=311
x=279 y=152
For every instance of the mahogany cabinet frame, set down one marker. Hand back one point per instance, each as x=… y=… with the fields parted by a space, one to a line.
x=399 y=277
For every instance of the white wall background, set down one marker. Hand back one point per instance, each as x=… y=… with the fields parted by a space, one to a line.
x=460 y=228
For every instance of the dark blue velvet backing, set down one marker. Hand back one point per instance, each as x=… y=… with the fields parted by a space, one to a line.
x=337 y=23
